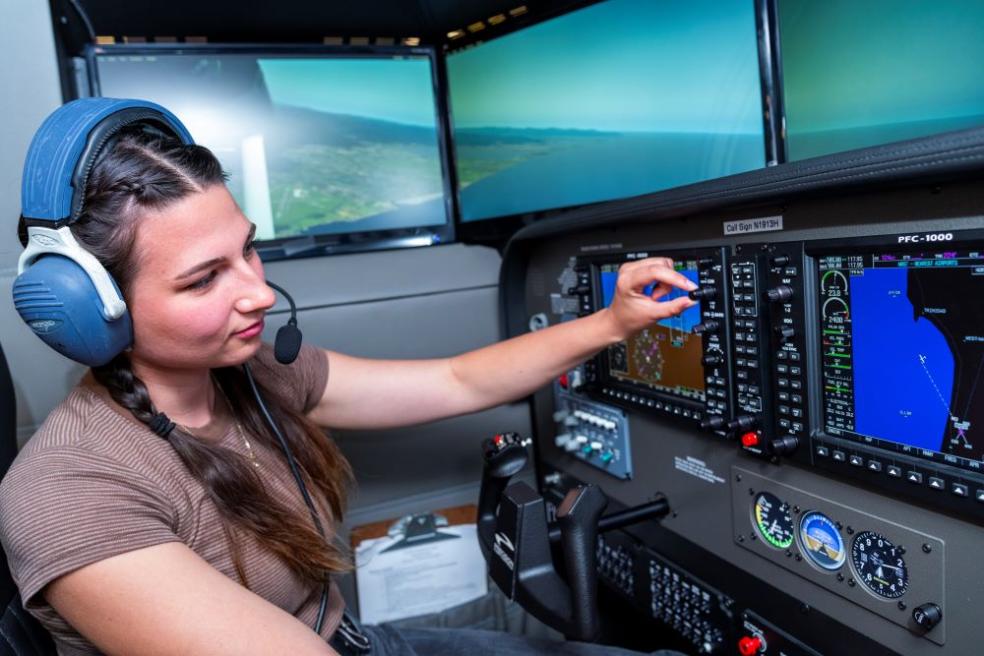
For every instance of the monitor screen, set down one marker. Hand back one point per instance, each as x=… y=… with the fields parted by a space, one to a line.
x=859 y=73
x=902 y=351
x=314 y=143
x=618 y=99
x=664 y=358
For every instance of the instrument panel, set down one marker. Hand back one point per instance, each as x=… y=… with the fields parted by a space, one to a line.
x=812 y=421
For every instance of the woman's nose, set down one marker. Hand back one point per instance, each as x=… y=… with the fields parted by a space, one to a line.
x=257 y=295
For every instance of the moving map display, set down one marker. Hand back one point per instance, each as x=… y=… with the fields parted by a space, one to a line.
x=902 y=351
x=664 y=357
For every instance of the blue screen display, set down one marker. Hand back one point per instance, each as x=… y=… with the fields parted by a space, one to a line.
x=622 y=98
x=902 y=351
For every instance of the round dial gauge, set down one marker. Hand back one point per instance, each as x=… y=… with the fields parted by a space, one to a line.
x=879 y=565
x=772 y=519
x=821 y=541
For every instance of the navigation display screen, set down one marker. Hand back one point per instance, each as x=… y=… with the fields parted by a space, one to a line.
x=664 y=357
x=902 y=351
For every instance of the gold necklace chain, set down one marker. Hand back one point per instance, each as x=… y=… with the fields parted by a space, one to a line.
x=239 y=428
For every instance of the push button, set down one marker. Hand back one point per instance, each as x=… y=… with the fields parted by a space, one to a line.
x=914 y=477
x=960 y=490
x=857 y=461
x=936 y=483
x=894 y=471
x=840 y=456
x=874 y=465
x=822 y=451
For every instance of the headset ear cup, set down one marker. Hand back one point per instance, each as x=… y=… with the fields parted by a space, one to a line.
x=57 y=300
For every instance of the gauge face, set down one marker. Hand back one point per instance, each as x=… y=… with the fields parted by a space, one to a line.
x=771 y=517
x=821 y=541
x=879 y=565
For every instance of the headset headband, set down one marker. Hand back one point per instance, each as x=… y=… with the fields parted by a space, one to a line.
x=67 y=144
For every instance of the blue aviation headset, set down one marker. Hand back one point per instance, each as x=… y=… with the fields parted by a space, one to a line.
x=62 y=291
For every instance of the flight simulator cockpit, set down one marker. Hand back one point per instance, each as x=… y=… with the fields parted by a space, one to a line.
x=794 y=464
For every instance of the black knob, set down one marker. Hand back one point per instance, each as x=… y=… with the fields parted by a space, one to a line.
x=783 y=446
x=742 y=422
x=705 y=327
x=703 y=292
x=714 y=422
x=785 y=332
x=711 y=360
x=780 y=293
x=927 y=615
x=780 y=260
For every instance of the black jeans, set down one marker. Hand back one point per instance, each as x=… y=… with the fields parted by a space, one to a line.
x=392 y=641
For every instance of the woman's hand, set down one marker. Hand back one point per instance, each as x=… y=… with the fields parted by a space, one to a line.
x=632 y=309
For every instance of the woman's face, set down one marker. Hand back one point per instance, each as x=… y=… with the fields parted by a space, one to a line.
x=198 y=297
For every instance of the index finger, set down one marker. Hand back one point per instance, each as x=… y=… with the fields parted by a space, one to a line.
x=638 y=278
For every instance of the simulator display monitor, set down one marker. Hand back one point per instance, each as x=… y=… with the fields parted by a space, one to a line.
x=902 y=351
x=618 y=99
x=859 y=73
x=664 y=358
x=315 y=143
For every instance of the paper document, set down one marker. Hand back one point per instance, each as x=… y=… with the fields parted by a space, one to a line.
x=397 y=580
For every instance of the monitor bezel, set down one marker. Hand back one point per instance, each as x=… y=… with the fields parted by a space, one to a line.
x=318 y=244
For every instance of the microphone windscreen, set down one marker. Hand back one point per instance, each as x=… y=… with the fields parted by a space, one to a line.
x=287 y=344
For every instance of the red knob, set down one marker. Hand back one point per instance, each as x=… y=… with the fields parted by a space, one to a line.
x=749 y=439
x=497 y=440
x=749 y=646
x=562 y=379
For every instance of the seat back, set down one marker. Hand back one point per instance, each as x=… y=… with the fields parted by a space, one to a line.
x=20 y=634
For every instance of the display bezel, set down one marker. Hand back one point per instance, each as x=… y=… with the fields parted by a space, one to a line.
x=331 y=243
x=927 y=241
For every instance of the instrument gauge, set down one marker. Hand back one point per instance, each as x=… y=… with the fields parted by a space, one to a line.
x=821 y=542
x=879 y=565
x=773 y=521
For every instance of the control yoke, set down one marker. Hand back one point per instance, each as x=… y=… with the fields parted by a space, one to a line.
x=516 y=538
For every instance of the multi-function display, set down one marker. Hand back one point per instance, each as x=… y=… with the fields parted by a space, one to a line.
x=666 y=357
x=902 y=351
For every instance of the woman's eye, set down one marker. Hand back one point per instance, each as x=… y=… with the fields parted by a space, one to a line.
x=204 y=282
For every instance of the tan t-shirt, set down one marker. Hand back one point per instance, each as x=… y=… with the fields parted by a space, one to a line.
x=94 y=483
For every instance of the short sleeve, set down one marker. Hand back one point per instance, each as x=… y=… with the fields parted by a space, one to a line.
x=62 y=509
x=300 y=383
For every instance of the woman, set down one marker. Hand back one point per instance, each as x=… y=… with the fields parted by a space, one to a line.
x=155 y=512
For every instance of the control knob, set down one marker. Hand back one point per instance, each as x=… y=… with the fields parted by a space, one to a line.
x=709 y=326
x=927 y=615
x=703 y=292
x=780 y=260
x=785 y=332
x=749 y=646
x=712 y=360
x=742 y=422
x=780 y=293
x=783 y=446
x=713 y=422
